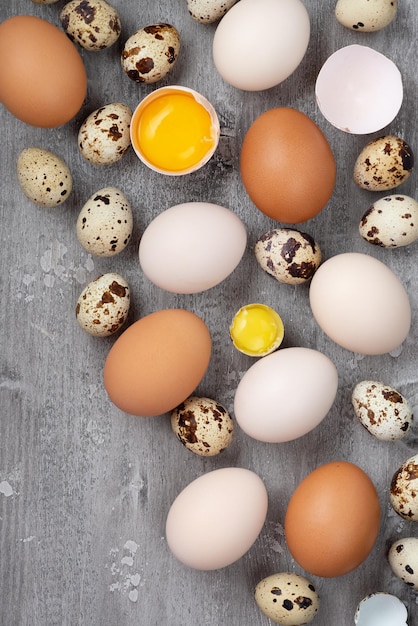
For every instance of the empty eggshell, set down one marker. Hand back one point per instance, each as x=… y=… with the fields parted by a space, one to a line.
x=44 y=177
x=383 y=164
x=403 y=559
x=92 y=24
x=391 y=222
x=150 y=53
x=103 y=306
x=382 y=410
x=287 y=599
x=381 y=609
x=290 y=256
x=105 y=223
x=203 y=426
x=208 y=11
x=404 y=490
x=104 y=136
x=366 y=15
x=359 y=90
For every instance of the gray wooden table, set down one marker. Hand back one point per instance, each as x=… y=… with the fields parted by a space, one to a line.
x=84 y=488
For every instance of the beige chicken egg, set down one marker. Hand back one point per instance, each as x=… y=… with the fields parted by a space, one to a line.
x=103 y=305
x=44 y=177
x=383 y=164
x=92 y=24
x=104 y=136
x=150 y=53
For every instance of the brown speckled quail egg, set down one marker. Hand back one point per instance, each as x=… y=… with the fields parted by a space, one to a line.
x=92 y=24
x=391 y=222
x=382 y=410
x=290 y=256
x=403 y=559
x=208 y=11
x=287 y=599
x=44 y=177
x=366 y=15
x=404 y=490
x=105 y=223
x=203 y=426
x=103 y=305
x=150 y=53
x=104 y=136
x=383 y=164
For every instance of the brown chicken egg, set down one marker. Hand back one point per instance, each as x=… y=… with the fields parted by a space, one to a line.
x=287 y=166
x=157 y=362
x=43 y=81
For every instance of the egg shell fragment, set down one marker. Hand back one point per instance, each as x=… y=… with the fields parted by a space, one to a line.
x=404 y=490
x=382 y=609
x=366 y=15
x=150 y=53
x=92 y=24
x=105 y=222
x=216 y=519
x=382 y=410
x=286 y=394
x=104 y=136
x=208 y=11
x=203 y=426
x=383 y=164
x=403 y=559
x=287 y=599
x=391 y=222
x=290 y=256
x=103 y=305
x=44 y=177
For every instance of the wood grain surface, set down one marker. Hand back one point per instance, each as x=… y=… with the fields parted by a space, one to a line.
x=84 y=488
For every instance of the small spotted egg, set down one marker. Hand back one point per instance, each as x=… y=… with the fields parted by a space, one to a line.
x=391 y=222
x=287 y=599
x=44 y=177
x=105 y=223
x=383 y=164
x=403 y=559
x=208 y=11
x=203 y=426
x=366 y=15
x=103 y=305
x=104 y=136
x=289 y=255
x=150 y=53
x=404 y=490
x=382 y=410
x=92 y=24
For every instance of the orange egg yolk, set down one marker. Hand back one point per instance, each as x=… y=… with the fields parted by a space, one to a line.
x=174 y=132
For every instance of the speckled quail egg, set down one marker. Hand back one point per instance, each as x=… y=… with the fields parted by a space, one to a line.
x=203 y=426
x=44 y=177
x=366 y=15
x=287 y=599
x=104 y=136
x=404 y=490
x=382 y=410
x=150 y=53
x=289 y=255
x=92 y=24
x=383 y=164
x=403 y=559
x=208 y=11
x=391 y=222
x=103 y=305
x=105 y=223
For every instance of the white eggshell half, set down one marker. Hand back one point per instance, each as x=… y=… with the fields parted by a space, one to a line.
x=381 y=608
x=286 y=394
x=192 y=247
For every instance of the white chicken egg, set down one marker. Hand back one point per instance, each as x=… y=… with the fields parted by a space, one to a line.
x=359 y=90
x=260 y=43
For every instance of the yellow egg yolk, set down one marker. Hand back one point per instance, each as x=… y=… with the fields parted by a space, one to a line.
x=174 y=132
x=256 y=330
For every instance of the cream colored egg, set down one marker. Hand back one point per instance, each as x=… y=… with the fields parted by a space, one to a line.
x=104 y=136
x=93 y=25
x=105 y=222
x=287 y=599
x=383 y=164
x=403 y=559
x=208 y=11
x=103 y=306
x=391 y=222
x=203 y=426
x=366 y=15
x=150 y=53
x=404 y=490
x=44 y=177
